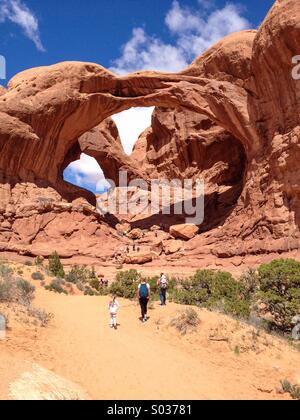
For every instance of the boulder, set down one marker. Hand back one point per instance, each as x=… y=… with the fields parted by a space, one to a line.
x=173 y=246
x=135 y=234
x=139 y=258
x=185 y=231
x=154 y=228
x=157 y=247
x=123 y=228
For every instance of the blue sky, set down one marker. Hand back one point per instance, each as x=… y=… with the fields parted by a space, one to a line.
x=124 y=35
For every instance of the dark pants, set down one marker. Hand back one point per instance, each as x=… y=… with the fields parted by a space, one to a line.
x=163 y=296
x=144 y=306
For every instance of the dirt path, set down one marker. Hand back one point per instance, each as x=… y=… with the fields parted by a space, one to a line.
x=126 y=364
x=145 y=361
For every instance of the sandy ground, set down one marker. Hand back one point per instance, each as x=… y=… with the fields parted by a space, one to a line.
x=144 y=361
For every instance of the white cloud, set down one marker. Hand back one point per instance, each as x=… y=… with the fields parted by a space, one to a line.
x=193 y=30
x=86 y=173
x=131 y=124
x=144 y=52
x=181 y=19
x=17 y=12
x=196 y=31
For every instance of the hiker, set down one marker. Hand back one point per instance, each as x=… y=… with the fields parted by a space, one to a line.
x=162 y=283
x=105 y=282
x=144 y=297
x=113 y=310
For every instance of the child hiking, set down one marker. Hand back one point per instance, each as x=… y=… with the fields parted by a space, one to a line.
x=113 y=307
x=144 y=297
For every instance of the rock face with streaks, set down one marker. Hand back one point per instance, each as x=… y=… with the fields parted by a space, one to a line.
x=231 y=117
x=186 y=145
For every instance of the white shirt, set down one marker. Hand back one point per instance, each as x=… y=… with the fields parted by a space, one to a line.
x=114 y=307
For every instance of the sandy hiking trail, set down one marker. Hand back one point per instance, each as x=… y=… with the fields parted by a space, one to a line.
x=143 y=361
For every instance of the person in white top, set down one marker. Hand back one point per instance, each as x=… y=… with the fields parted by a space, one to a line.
x=113 y=307
x=162 y=283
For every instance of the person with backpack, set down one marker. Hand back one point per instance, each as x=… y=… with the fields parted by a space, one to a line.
x=163 y=286
x=144 y=297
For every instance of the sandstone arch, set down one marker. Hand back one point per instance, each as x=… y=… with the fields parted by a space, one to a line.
x=50 y=108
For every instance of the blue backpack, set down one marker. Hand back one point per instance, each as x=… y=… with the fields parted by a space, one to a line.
x=144 y=292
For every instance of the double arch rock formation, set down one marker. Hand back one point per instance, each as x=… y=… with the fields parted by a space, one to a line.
x=242 y=86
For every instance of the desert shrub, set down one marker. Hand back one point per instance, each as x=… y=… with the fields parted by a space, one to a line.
x=128 y=277
x=81 y=274
x=154 y=288
x=186 y=321
x=26 y=291
x=172 y=283
x=187 y=297
x=197 y=289
x=80 y=286
x=238 y=307
x=77 y=275
x=104 y=291
x=5 y=269
x=95 y=284
x=97 y=287
x=92 y=274
x=250 y=283
x=41 y=315
x=280 y=291
x=55 y=266
x=88 y=291
x=16 y=290
x=39 y=261
x=126 y=284
x=56 y=286
x=214 y=290
x=7 y=290
x=28 y=263
x=293 y=390
x=37 y=276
